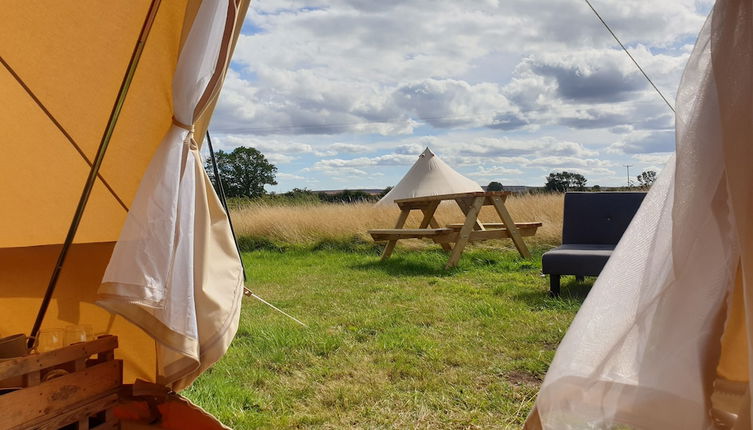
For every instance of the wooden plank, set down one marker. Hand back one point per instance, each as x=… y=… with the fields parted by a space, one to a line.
x=57 y=395
x=432 y=222
x=30 y=363
x=489 y=234
x=411 y=231
x=493 y=225
x=32 y=379
x=465 y=231
x=79 y=413
x=79 y=364
x=499 y=205
x=391 y=244
x=423 y=204
x=524 y=231
x=407 y=233
x=428 y=214
x=453 y=196
x=391 y=237
x=435 y=224
x=465 y=206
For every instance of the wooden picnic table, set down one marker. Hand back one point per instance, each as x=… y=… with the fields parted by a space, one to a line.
x=454 y=237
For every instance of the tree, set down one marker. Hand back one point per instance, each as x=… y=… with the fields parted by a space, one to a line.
x=244 y=172
x=647 y=178
x=385 y=191
x=565 y=181
x=494 y=186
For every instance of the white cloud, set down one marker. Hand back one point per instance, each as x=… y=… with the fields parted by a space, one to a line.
x=487 y=147
x=655 y=158
x=382 y=160
x=346 y=66
x=348 y=148
x=522 y=86
x=567 y=163
x=496 y=171
x=275 y=158
x=409 y=149
x=289 y=176
x=642 y=142
x=451 y=103
x=339 y=171
x=283 y=146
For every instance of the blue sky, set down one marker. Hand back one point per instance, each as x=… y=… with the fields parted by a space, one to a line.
x=347 y=93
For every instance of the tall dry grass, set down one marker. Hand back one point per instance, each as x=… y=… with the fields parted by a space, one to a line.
x=310 y=223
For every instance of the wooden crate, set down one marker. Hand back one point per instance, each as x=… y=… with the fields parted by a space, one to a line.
x=81 y=399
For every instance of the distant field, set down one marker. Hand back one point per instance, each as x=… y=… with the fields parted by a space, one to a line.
x=309 y=223
x=399 y=344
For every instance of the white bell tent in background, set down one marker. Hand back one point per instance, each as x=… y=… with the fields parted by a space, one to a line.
x=429 y=176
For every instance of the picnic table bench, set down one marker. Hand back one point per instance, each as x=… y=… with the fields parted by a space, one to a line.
x=454 y=237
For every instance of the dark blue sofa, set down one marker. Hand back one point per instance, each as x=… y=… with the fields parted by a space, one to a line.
x=592 y=225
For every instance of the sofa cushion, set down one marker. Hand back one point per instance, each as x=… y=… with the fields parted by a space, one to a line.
x=598 y=218
x=576 y=259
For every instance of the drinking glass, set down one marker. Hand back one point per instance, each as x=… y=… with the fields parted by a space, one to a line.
x=89 y=331
x=49 y=339
x=74 y=334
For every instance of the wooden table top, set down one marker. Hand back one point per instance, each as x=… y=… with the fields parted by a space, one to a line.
x=440 y=197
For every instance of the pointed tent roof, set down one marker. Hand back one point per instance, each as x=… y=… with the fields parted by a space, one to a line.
x=429 y=176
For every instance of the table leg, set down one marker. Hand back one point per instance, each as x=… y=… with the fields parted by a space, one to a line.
x=465 y=205
x=517 y=239
x=391 y=244
x=435 y=224
x=428 y=214
x=470 y=220
x=429 y=220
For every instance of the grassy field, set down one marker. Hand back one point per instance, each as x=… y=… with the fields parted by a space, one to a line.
x=400 y=344
x=310 y=223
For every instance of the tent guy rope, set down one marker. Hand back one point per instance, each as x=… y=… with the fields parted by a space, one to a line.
x=631 y=57
x=249 y=293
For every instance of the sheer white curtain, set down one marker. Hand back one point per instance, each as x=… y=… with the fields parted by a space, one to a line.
x=157 y=274
x=643 y=350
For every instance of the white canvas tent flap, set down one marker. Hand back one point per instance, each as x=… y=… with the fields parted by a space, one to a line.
x=429 y=176
x=154 y=275
x=61 y=66
x=660 y=336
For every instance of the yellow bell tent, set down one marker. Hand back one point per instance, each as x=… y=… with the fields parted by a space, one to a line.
x=105 y=206
x=663 y=339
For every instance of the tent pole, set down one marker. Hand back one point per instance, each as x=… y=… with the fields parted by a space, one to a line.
x=96 y=164
x=221 y=192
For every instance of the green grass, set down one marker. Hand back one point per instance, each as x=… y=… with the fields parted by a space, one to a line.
x=399 y=344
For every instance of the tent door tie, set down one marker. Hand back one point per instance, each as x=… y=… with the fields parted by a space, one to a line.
x=189 y=138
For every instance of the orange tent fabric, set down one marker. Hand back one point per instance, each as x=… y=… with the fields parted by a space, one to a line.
x=61 y=65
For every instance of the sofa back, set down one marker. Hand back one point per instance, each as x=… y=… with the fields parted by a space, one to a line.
x=598 y=218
